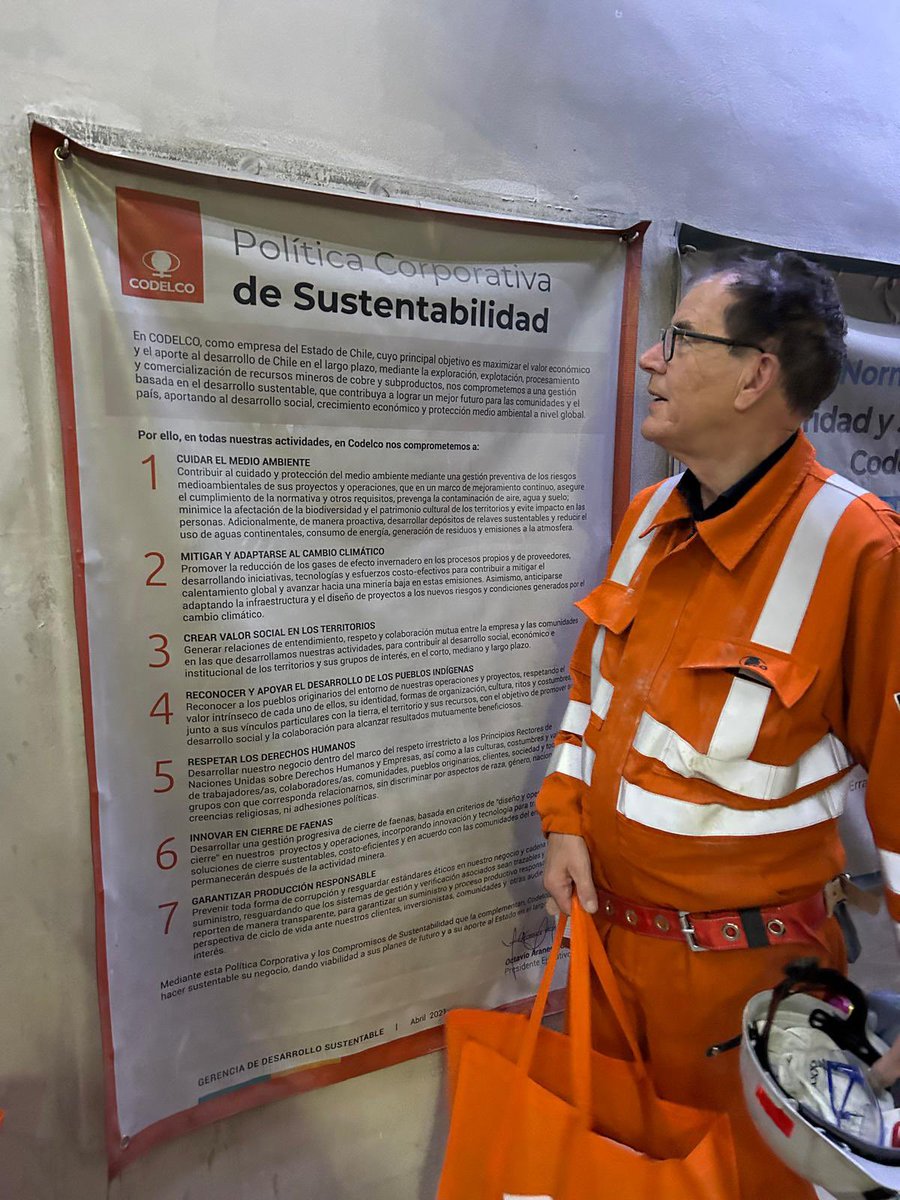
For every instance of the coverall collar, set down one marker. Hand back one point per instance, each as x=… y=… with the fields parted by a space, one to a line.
x=733 y=534
x=691 y=490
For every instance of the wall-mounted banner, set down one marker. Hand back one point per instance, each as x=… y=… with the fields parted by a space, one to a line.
x=336 y=470
x=856 y=431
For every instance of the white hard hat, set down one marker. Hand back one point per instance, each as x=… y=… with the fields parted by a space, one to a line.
x=804 y=1063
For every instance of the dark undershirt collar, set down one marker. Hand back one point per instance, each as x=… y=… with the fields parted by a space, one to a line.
x=689 y=486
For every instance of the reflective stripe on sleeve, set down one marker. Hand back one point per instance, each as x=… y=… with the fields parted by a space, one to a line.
x=636 y=547
x=566 y=758
x=890 y=869
x=575 y=718
x=683 y=817
x=755 y=780
x=601 y=689
x=782 y=615
x=587 y=763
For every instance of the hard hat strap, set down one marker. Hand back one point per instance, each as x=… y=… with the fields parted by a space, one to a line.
x=805 y=975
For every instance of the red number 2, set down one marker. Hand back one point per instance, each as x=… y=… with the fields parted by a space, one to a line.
x=151 y=578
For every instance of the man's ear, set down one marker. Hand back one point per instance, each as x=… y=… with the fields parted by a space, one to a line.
x=761 y=379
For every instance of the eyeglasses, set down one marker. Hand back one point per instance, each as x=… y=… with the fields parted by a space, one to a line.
x=668 y=335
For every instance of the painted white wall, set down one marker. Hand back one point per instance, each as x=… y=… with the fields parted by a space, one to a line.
x=774 y=119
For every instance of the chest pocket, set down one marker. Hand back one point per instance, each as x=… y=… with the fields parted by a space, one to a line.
x=611 y=607
x=757 y=672
x=759 y=677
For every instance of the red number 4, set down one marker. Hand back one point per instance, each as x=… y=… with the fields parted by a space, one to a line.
x=162 y=708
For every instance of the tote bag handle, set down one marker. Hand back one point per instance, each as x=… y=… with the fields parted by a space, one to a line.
x=603 y=970
x=538 y=1008
x=587 y=952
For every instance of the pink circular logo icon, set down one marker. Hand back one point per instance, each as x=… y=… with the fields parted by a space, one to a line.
x=161 y=262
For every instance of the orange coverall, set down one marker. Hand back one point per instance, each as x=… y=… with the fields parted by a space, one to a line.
x=728 y=676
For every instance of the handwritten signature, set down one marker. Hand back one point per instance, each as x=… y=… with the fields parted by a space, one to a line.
x=528 y=942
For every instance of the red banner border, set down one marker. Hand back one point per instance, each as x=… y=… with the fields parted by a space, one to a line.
x=48 y=146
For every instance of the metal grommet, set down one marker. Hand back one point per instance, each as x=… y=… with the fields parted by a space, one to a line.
x=609 y=908
x=631 y=916
x=731 y=931
x=661 y=923
x=64 y=151
x=776 y=928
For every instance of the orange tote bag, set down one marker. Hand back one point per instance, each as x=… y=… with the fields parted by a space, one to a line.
x=540 y=1115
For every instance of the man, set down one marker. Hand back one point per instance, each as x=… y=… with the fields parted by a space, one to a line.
x=741 y=655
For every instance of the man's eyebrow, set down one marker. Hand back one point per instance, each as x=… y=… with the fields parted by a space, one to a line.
x=683 y=324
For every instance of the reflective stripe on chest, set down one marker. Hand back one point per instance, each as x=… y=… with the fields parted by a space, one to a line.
x=626 y=567
x=578 y=761
x=782 y=615
x=727 y=764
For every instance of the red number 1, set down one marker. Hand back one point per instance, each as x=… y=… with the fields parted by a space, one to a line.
x=151 y=462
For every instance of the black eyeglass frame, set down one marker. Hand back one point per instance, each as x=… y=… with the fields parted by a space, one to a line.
x=677 y=332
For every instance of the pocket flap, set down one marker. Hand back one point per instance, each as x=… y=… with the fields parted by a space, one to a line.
x=611 y=604
x=789 y=677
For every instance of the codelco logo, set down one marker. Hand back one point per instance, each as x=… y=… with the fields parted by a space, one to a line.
x=160 y=246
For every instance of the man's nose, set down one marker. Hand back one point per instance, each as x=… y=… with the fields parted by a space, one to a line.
x=652 y=359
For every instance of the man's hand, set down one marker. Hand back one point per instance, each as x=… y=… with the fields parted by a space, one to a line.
x=886 y=1071
x=567 y=866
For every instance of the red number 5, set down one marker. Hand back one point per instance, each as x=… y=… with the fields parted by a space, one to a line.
x=164 y=762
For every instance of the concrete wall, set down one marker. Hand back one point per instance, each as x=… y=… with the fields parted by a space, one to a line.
x=773 y=120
